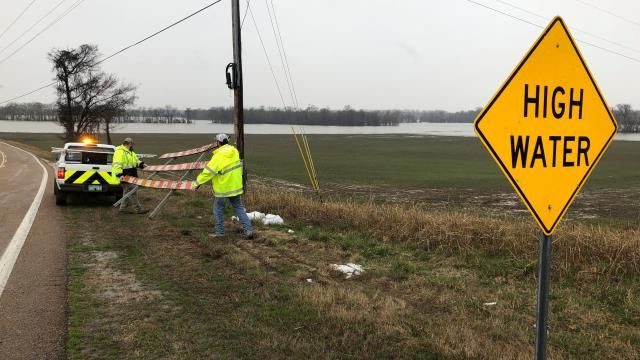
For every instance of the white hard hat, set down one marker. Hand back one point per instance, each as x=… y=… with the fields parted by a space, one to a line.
x=222 y=137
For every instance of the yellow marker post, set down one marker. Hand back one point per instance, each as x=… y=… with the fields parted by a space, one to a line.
x=306 y=166
x=547 y=127
x=305 y=140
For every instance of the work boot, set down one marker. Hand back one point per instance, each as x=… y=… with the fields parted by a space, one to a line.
x=248 y=235
x=126 y=210
x=141 y=211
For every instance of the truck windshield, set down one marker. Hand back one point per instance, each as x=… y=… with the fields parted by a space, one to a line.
x=87 y=155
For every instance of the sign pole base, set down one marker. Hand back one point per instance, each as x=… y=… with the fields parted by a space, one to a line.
x=542 y=310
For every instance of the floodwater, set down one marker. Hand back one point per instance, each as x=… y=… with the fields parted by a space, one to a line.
x=204 y=127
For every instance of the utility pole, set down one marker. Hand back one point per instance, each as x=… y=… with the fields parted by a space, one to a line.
x=238 y=102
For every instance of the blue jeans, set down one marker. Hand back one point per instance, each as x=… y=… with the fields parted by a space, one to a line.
x=218 y=213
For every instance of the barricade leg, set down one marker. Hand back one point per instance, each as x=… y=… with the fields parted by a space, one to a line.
x=135 y=188
x=166 y=197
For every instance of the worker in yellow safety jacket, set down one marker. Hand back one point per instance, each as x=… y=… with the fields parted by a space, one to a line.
x=125 y=163
x=224 y=170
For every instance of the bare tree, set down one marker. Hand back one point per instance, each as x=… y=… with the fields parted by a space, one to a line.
x=84 y=91
x=156 y=113
x=121 y=98
x=626 y=117
x=169 y=113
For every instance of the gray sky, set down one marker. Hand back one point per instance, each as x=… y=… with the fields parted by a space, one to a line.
x=374 y=54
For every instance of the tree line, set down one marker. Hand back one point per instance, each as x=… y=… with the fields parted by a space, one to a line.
x=224 y=115
x=628 y=118
x=34 y=111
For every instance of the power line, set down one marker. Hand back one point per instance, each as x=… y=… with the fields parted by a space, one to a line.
x=286 y=59
x=284 y=69
x=29 y=93
x=522 y=9
x=609 y=12
x=159 y=31
x=246 y=11
x=32 y=26
x=540 y=26
x=121 y=50
x=609 y=50
x=546 y=18
x=64 y=14
x=16 y=19
x=267 y=56
x=505 y=13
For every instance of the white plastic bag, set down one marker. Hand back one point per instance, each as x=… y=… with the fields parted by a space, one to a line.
x=349 y=269
x=255 y=215
x=271 y=219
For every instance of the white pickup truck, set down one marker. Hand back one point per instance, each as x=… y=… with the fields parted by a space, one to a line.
x=84 y=168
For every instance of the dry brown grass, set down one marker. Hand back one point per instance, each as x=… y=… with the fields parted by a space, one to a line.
x=250 y=299
x=577 y=248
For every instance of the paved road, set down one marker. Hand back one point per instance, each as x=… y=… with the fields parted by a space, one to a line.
x=33 y=303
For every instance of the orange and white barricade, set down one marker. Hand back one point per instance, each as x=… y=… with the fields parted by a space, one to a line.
x=170 y=185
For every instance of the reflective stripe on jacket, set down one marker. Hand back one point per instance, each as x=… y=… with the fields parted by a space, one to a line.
x=123 y=158
x=224 y=170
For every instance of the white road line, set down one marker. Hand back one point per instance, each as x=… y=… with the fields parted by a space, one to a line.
x=10 y=255
x=4 y=159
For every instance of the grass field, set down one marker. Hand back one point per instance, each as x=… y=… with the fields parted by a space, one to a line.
x=388 y=160
x=164 y=289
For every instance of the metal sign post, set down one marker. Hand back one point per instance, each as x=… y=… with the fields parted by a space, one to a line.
x=542 y=310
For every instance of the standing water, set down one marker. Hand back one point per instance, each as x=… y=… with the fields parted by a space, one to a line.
x=205 y=126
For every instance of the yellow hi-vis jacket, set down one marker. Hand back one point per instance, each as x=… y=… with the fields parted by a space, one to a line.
x=224 y=170
x=123 y=158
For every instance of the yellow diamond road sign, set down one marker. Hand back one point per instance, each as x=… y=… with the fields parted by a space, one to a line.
x=548 y=125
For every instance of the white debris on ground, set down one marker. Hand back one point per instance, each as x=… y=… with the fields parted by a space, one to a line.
x=271 y=219
x=490 y=303
x=349 y=269
x=255 y=215
x=268 y=219
x=290 y=231
x=235 y=218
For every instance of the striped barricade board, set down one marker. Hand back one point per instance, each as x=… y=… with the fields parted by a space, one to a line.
x=158 y=184
x=186 y=152
x=198 y=165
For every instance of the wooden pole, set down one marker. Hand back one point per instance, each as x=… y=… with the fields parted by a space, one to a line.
x=238 y=100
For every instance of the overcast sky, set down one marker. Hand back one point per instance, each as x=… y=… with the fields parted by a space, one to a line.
x=371 y=54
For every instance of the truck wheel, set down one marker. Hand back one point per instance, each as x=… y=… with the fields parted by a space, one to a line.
x=61 y=198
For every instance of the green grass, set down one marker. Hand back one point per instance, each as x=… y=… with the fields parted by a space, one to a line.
x=239 y=299
x=234 y=298
x=391 y=160
x=222 y=299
